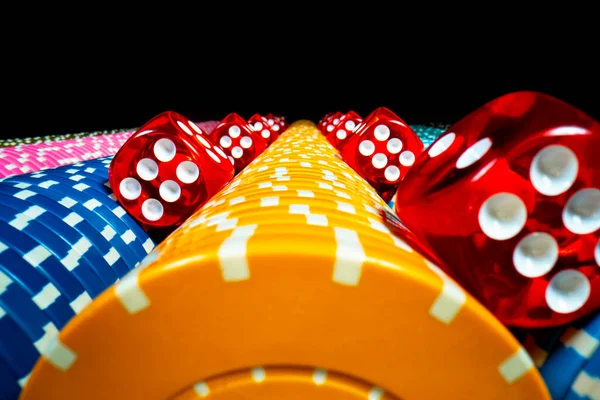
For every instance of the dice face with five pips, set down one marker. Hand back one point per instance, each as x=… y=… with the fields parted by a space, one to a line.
x=509 y=199
x=167 y=169
x=382 y=149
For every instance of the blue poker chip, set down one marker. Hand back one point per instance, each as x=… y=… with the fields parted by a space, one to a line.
x=102 y=205
x=9 y=386
x=16 y=348
x=586 y=385
x=59 y=249
x=97 y=170
x=98 y=167
x=102 y=187
x=578 y=344
x=17 y=303
x=37 y=256
x=79 y=174
x=546 y=339
x=38 y=287
x=93 y=169
x=392 y=202
x=90 y=189
x=85 y=221
x=80 y=244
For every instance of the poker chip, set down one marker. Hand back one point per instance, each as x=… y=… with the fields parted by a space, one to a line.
x=34 y=157
x=38 y=256
x=84 y=221
x=94 y=195
x=16 y=349
x=45 y=223
x=207 y=126
x=429 y=133
x=285 y=283
x=54 y=138
x=392 y=202
x=540 y=343
x=63 y=241
x=32 y=320
x=38 y=286
x=102 y=220
x=9 y=388
x=276 y=382
x=578 y=343
x=586 y=385
x=20 y=156
x=54 y=245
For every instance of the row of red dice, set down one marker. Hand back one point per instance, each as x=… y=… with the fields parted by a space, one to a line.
x=381 y=148
x=170 y=166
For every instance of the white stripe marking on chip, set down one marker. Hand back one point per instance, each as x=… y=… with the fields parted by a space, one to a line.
x=350 y=257
x=59 y=355
x=450 y=300
x=516 y=366
x=232 y=254
x=130 y=293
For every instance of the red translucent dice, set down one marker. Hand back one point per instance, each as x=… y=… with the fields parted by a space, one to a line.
x=328 y=123
x=166 y=170
x=382 y=149
x=509 y=199
x=241 y=142
x=261 y=126
x=276 y=122
x=346 y=126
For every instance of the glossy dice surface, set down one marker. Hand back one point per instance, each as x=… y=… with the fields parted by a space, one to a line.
x=329 y=122
x=382 y=149
x=509 y=199
x=345 y=128
x=166 y=170
x=239 y=140
x=261 y=126
x=277 y=122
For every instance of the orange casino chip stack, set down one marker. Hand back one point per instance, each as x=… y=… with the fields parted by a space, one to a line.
x=287 y=284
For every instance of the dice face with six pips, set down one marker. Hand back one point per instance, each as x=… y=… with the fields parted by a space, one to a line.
x=382 y=149
x=167 y=169
x=509 y=199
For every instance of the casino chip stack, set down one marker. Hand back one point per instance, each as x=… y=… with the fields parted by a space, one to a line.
x=286 y=283
x=207 y=126
x=54 y=138
x=44 y=154
x=63 y=241
x=35 y=157
x=428 y=133
x=568 y=358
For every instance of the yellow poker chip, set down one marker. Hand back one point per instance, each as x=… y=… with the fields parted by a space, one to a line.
x=284 y=383
x=285 y=289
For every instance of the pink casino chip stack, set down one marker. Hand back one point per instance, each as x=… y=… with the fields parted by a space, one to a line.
x=23 y=159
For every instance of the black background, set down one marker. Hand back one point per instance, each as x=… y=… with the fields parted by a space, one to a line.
x=81 y=95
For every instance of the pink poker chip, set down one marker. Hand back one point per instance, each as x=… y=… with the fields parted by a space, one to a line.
x=25 y=158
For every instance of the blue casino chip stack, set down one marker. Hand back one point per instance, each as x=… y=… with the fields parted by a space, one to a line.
x=63 y=240
x=576 y=348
